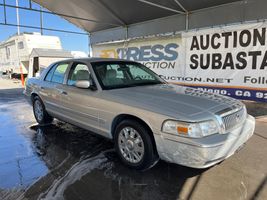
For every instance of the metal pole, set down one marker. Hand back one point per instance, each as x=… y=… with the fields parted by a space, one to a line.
x=30 y=4
x=181 y=6
x=4 y=10
x=126 y=43
x=160 y=6
x=41 y=20
x=187 y=21
x=16 y=43
x=17 y=13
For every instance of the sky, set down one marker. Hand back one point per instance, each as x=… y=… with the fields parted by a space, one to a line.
x=71 y=42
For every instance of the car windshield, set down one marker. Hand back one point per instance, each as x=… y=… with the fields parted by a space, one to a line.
x=122 y=74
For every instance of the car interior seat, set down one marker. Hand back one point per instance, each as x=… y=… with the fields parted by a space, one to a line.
x=111 y=78
x=82 y=75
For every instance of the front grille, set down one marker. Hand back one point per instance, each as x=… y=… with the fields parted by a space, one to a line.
x=234 y=119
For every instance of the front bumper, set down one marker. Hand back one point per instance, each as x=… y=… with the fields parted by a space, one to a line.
x=207 y=151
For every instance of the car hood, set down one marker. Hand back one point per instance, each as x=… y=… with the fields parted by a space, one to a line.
x=173 y=100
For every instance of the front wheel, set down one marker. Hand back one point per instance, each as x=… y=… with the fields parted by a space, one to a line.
x=40 y=114
x=134 y=145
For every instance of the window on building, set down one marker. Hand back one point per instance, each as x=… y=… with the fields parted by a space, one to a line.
x=20 y=45
x=7 y=52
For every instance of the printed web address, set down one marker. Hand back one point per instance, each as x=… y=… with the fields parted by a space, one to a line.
x=260 y=80
x=197 y=79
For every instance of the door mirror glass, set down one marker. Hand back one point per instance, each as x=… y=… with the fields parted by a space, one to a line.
x=83 y=84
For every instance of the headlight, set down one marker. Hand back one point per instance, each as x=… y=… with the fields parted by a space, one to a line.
x=194 y=130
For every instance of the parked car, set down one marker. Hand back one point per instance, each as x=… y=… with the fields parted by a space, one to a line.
x=146 y=117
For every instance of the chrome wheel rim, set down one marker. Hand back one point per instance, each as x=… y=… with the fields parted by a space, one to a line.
x=38 y=110
x=131 y=145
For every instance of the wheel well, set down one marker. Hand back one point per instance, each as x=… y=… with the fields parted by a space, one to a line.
x=122 y=117
x=33 y=95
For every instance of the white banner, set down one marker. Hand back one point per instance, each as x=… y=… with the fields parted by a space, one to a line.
x=162 y=55
x=228 y=60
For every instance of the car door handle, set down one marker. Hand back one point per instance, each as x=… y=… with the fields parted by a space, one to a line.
x=62 y=92
x=41 y=87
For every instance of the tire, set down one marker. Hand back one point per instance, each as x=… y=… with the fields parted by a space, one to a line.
x=130 y=148
x=40 y=114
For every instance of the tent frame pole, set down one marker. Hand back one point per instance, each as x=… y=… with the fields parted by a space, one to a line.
x=161 y=6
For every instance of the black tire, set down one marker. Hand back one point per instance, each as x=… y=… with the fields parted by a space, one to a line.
x=149 y=157
x=46 y=118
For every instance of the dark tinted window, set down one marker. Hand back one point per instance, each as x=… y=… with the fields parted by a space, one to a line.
x=119 y=74
x=59 y=73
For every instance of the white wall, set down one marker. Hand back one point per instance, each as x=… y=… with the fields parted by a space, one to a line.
x=29 y=41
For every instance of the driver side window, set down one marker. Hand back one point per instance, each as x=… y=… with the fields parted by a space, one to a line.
x=78 y=72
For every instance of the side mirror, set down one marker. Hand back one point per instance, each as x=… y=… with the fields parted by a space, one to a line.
x=83 y=84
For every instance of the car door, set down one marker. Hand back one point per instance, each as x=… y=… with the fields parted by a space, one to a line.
x=45 y=88
x=79 y=105
x=51 y=91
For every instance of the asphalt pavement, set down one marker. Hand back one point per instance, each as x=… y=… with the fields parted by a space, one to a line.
x=61 y=161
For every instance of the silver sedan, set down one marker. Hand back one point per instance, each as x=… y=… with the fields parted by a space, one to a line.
x=146 y=117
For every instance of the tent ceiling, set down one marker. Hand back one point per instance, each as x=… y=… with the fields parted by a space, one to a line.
x=105 y=14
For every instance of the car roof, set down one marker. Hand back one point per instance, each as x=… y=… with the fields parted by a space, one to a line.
x=94 y=59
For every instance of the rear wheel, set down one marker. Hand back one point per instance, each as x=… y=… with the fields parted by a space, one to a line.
x=40 y=114
x=134 y=145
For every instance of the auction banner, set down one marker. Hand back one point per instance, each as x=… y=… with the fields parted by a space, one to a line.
x=161 y=55
x=229 y=60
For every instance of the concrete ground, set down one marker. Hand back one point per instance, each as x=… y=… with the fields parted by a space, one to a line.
x=62 y=161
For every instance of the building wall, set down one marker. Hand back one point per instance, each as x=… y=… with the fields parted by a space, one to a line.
x=20 y=48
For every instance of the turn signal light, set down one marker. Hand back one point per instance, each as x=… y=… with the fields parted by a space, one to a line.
x=182 y=130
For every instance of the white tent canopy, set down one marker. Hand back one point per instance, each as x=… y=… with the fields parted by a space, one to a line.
x=119 y=19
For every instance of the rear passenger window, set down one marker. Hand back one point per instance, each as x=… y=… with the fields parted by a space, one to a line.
x=59 y=73
x=50 y=74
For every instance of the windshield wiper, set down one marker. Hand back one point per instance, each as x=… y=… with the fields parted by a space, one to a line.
x=147 y=83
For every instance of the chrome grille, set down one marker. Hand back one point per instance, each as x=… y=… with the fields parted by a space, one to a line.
x=234 y=119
